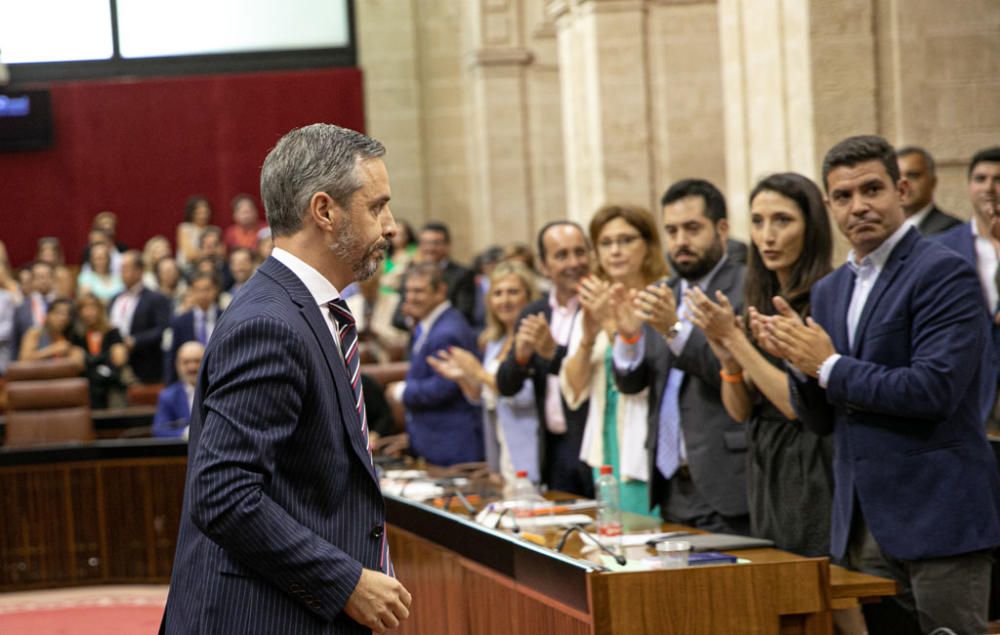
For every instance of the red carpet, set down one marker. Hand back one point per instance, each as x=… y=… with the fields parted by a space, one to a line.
x=127 y=610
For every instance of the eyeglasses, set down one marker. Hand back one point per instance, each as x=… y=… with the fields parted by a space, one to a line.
x=621 y=242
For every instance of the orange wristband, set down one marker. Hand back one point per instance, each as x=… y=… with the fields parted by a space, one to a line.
x=735 y=378
x=630 y=340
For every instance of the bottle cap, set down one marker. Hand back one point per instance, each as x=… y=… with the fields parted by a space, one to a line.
x=607 y=469
x=522 y=474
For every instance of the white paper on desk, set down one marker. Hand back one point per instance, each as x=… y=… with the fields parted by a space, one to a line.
x=416 y=490
x=489 y=519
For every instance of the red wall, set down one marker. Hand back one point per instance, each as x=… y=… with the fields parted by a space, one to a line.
x=140 y=147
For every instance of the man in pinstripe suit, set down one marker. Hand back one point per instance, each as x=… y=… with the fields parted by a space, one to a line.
x=283 y=523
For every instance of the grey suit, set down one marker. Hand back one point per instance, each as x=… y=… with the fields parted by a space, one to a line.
x=715 y=444
x=937 y=221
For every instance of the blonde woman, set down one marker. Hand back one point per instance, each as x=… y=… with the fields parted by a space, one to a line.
x=510 y=423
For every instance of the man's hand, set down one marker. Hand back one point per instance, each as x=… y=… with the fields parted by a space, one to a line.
x=379 y=602
x=805 y=345
x=392 y=445
x=656 y=306
x=541 y=336
x=716 y=320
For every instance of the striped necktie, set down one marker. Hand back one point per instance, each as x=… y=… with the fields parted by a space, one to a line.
x=348 y=334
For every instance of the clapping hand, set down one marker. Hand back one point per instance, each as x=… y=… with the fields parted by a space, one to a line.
x=627 y=321
x=594 y=299
x=656 y=306
x=533 y=336
x=803 y=344
x=717 y=320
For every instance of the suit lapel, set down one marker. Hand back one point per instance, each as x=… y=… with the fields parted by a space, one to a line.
x=844 y=287
x=334 y=360
x=892 y=267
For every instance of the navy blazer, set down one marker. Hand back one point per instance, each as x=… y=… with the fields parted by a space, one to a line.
x=716 y=445
x=444 y=428
x=906 y=408
x=152 y=314
x=282 y=508
x=961 y=240
x=172 y=412
x=24 y=319
x=182 y=330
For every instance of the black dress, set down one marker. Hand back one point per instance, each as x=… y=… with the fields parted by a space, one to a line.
x=790 y=481
x=104 y=378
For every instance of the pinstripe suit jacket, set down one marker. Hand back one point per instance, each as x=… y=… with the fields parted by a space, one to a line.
x=282 y=508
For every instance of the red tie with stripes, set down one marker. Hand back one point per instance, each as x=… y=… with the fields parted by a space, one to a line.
x=348 y=333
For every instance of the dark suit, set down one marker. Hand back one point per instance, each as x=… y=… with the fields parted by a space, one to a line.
x=152 y=313
x=461 y=293
x=562 y=468
x=937 y=221
x=182 y=329
x=444 y=428
x=24 y=319
x=961 y=240
x=172 y=412
x=282 y=508
x=715 y=444
x=906 y=408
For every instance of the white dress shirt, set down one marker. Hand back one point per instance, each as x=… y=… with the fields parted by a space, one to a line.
x=321 y=289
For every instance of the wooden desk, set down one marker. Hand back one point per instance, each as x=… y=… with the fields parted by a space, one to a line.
x=90 y=513
x=466 y=578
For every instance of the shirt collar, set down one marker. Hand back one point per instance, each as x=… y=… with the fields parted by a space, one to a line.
x=321 y=289
x=919 y=217
x=570 y=307
x=428 y=322
x=878 y=258
x=705 y=280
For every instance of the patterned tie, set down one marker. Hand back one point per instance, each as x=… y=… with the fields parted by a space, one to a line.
x=669 y=440
x=348 y=333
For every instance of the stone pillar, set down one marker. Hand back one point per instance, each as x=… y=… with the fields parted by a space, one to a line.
x=798 y=76
x=605 y=95
x=496 y=62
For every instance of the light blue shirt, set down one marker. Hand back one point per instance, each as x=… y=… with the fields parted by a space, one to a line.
x=866 y=274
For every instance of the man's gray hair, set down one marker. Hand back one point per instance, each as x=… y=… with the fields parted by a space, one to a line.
x=316 y=158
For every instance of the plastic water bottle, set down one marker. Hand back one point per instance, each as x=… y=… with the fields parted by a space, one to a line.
x=523 y=495
x=609 y=511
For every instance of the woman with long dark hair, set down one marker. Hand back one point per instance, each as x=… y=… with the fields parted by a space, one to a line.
x=789 y=476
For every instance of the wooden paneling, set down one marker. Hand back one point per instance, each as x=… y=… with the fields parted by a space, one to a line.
x=455 y=596
x=89 y=522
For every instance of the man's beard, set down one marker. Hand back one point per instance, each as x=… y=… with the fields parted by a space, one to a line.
x=699 y=268
x=347 y=246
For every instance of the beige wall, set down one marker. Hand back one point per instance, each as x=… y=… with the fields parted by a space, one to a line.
x=500 y=115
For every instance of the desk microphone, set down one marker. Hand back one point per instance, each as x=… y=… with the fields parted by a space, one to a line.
x=620 y=559
x=456 y=493
x=513 y=520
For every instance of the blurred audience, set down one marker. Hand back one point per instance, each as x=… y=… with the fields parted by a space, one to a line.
x=510 y=424
x=195 y=325
x=105 y=355
x=173 y=407
x=246 y=223
x=51 y=339
x=155 y=249
x=197 y=216
x=140 y=315
x=98 y=279
x=38 y=292
x=443 y=426
x=373 y=307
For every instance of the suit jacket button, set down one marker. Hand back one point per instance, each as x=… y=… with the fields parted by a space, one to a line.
x=377 y=531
